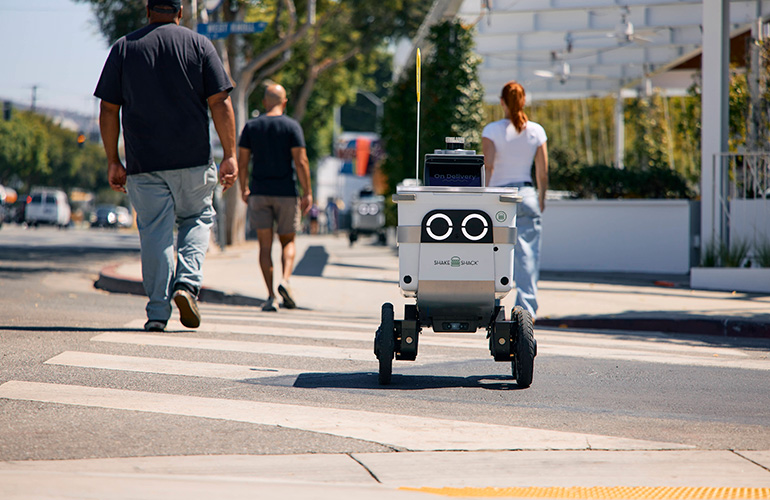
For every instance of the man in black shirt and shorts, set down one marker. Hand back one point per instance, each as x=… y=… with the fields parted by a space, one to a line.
x=164 y=78
x=277 y=145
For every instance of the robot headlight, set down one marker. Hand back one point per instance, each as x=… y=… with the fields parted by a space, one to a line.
x=456 y=226
x=368 y=209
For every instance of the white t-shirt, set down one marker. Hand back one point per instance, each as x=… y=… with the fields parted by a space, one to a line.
x=514 y=151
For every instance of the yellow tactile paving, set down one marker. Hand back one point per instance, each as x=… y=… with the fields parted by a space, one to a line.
x=606 y=493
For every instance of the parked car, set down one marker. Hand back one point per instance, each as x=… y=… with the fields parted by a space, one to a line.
x=48 y=206
x=111 y=216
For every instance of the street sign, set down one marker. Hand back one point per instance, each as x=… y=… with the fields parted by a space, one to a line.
x=216 y=31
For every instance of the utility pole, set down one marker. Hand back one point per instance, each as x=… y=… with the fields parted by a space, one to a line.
x=34 y=98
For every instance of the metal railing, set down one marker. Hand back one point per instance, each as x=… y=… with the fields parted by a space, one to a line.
x=737 y=177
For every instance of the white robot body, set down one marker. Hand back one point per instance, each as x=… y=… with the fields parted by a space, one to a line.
x=455 y=252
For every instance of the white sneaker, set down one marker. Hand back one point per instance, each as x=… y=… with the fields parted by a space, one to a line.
x=269 y=305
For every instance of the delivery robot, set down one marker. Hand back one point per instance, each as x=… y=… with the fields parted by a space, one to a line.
x=368 y=216
x=456 y=241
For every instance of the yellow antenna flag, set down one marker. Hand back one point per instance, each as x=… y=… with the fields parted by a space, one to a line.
x=418 y=74
x=417 y=163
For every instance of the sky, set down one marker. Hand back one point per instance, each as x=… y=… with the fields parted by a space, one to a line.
x=54 y=45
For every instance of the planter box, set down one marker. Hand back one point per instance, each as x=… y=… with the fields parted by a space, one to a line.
x=629 y=236
x=752 y=279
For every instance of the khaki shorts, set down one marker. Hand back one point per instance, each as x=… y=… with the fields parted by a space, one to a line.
x=281 y=213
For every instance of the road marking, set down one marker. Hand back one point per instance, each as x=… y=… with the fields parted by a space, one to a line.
x=167 y=366
x=301 y=350
x=604 y=493
x=258 y=321
x=657 y=353
x=239 y=346
x=660 y=356
x=648 y=344
x=400 y=431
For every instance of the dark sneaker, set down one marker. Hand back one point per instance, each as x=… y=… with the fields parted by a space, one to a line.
x=188 y=308
x=269 y=305
x=155 y=325
x=288 y=300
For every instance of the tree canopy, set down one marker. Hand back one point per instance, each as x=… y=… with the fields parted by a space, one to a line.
x=35 y=151
x=447 y=109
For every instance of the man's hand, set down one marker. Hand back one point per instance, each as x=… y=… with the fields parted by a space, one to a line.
x=305 y=203
x=245 y=193
x=116 y=175
x=228 y=172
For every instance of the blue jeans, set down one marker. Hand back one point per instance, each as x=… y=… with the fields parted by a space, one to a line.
x=526 y=254
x=165 y=200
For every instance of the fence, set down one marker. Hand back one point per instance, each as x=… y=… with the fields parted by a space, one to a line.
x=741 y=199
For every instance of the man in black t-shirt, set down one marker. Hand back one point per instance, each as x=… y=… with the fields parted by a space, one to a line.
x=163 y=79
x=277 y=146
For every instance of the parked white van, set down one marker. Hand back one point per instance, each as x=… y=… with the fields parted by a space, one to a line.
x=47 y=206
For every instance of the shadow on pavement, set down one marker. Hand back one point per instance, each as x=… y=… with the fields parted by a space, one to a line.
x=313 y=262
x=368 y=380
x=751 y=326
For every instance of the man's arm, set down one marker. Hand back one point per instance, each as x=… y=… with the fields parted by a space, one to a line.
x=244 y=156
x=488 y=148
x=303 y=174
x=109 y=126
x=541 y=173
x=224 y=122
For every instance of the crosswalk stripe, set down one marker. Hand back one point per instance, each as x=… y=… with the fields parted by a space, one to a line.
x=660 y=357
x=547 y=345
x=166 y=366
x=297 y=320
x=648 y=344
x=401 y=431
x=239 y=346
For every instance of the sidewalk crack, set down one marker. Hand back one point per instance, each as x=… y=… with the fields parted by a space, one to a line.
x=366 y=468
x=752 y=461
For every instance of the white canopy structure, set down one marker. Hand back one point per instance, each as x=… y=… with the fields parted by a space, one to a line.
x=578 y=48
x=584 y=48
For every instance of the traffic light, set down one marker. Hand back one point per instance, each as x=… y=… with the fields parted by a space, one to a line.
x=81 y=139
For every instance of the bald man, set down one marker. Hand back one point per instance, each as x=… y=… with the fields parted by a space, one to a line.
x=275 y=146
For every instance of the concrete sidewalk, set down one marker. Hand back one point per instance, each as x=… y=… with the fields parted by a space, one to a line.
x=332 y=276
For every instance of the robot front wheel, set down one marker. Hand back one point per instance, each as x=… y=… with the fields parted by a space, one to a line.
x=384 y=344
x=524 y=347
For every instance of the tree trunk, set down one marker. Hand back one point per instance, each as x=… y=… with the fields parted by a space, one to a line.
x=235 y=208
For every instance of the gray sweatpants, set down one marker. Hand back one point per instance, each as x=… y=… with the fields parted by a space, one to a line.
x=165 y=200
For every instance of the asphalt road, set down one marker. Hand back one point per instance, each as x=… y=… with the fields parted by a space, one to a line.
x=80 y=379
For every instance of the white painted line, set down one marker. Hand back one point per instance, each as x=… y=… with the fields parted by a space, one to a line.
x=239 y=346
x=401 y=431
x=660 y=357
x=256 y=321
x=547 y=345
x=301 y=350
x=299 y=320
x=648 y=344
x=167 y=366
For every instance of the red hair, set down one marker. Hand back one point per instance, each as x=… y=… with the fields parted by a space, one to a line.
x=514 y=98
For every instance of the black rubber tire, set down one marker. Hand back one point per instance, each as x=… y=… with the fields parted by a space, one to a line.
x=385 y=344
x=525 y=349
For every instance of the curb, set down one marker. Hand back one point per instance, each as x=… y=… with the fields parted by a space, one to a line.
x=110 y=281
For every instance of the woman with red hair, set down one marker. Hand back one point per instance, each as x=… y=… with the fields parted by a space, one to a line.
x=510 y=146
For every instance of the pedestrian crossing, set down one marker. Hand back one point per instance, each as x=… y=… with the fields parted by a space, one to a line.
x=291 y=336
